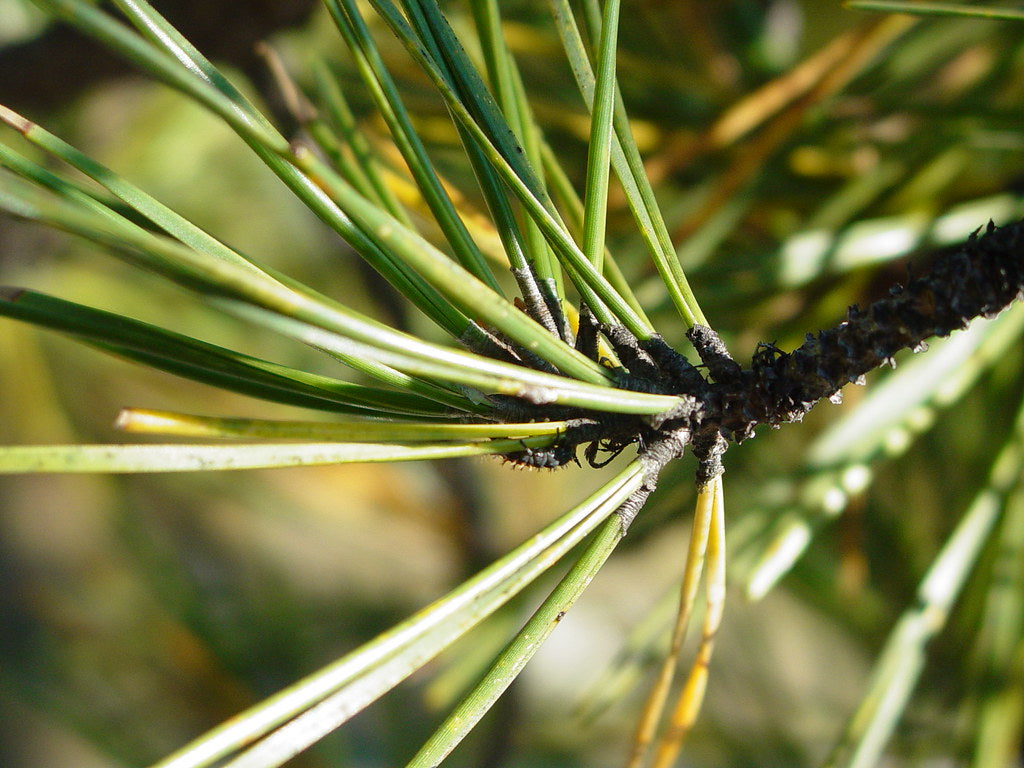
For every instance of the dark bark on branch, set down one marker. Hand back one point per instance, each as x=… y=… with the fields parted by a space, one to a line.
x=979 y=279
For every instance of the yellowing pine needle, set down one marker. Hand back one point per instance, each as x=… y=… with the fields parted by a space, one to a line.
x=692 y=696
x=148 y=421
x=703 y=521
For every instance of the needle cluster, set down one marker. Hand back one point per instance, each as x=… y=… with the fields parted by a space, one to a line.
x=726 y=402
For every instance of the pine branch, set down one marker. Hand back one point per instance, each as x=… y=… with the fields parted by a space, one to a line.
x=981 y=278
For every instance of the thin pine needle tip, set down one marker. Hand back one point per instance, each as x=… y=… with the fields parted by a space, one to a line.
x=19 y=123
x=11 y=293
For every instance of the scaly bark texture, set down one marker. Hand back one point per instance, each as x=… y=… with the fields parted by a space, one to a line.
x=980 y=278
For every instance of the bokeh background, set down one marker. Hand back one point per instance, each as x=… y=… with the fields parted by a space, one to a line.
x=137 y=612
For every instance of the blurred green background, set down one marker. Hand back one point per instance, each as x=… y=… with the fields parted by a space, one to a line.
x=137 y=612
